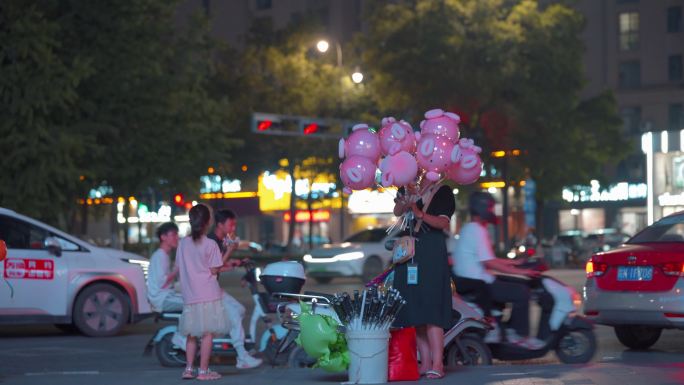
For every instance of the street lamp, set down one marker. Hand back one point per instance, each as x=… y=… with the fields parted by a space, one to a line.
x=357 y=77
x=323 y=45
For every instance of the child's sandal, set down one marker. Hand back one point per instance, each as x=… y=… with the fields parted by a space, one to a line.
x=188 y=373
x=207 y=375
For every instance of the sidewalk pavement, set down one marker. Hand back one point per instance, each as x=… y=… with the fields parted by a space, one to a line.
x=603 y=374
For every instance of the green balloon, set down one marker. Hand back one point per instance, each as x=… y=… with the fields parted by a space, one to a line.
x=320 y=338
x=316 y=335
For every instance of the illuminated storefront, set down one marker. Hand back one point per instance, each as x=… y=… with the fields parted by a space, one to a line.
x=371 y=208
x=317 y=197
x=594 y=207
x=664 y=172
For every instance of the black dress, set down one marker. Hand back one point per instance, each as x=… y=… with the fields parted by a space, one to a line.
x=429 y=301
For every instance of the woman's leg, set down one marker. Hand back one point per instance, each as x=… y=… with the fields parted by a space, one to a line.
x=435 y=335
x=190 y=351
x=205 y=351
x=423 y=349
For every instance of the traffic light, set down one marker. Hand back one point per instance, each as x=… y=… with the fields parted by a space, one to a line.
x=321 y=128
x=287 y=125
x=274 y=124
x=311 y=128
x=178 y=200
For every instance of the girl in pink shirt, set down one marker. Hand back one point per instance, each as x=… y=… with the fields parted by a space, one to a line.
x=199 y=261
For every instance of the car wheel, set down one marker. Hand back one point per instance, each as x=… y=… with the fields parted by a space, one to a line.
x=371 y=269
x=576 y=347
x=323 y=280
x=168 y=354
x=101 y=310
x=475 y=353
x=638 y=337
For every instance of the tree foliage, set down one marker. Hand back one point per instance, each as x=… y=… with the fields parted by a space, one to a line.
x=512 y=69
x=122 y=96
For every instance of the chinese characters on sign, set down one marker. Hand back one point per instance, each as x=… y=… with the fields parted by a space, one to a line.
x=20 y=268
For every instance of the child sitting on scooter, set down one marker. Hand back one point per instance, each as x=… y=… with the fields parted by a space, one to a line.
x=199 y=261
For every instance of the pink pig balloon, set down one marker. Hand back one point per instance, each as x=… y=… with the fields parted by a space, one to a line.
x=435 y=154
x=361 y=142
x=469 y=166
x=357 y=173
x=438 y=122
x=399 y=169
x=396 y=136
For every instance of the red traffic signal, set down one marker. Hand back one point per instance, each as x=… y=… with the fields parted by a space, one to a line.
x=311 y=128
x=178 y=199
x=264 y=125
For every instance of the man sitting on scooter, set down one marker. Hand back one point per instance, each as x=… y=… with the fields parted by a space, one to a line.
x=160 y=275
x=224 y=235
x=473 y=257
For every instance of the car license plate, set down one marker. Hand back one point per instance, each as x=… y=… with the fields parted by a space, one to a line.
x=635 y=273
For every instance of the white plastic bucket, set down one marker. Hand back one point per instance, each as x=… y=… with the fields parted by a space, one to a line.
x=368 y=356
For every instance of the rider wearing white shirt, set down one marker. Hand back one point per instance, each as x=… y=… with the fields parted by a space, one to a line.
x=162 y=297
x=474 y=257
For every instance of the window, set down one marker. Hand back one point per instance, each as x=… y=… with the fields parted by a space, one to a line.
x=674 y=66
x=68 y=245
x=676 y=117
x=631 y=118
x=629 y=31
x=630 y=74
x=21 y=235
x=674 y=19
x=263 y=4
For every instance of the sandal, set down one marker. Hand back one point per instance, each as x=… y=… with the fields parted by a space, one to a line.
x=434 y=374
x=188 y=373
x=207 y=375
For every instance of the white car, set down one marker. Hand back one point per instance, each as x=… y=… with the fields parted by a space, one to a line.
x=362 y=255
x=52 y=277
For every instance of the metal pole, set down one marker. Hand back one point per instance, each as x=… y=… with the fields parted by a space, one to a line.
x=504 y=227
x=339 y=53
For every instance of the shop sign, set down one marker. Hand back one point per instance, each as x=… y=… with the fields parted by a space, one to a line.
x=303 y=216
x=275 y=189
x=671 y=200
x=595 y=193
x=372 y=201
x=216 y=184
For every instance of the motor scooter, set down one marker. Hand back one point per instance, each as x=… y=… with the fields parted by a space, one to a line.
x=561 y=328
x=169 y=346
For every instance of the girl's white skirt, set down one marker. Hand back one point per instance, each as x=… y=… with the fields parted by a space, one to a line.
x=203 y=317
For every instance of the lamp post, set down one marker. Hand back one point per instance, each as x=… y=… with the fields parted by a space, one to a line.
x=323 y=46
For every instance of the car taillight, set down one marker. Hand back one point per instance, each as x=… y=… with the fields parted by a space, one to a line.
x=595 y=269
x=530 y=252
x=673 y=269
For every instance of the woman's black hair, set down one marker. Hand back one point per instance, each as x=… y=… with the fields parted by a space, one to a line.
x=200 y=217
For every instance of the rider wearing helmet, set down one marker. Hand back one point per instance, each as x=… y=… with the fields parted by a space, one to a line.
x=474 y=258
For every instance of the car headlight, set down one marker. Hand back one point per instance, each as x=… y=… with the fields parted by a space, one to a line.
x=349 y=256
x=337 y=258
x=143 y=263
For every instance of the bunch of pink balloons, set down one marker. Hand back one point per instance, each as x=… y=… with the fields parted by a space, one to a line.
x=437 y=150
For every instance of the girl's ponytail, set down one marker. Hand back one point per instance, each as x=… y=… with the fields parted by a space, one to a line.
x=200 y=216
